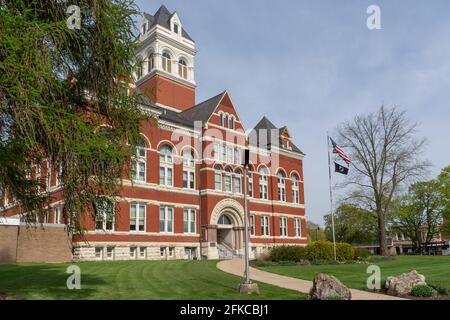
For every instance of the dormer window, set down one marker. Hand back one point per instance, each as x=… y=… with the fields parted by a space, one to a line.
x=144 y=28
x=175 y=28
x=231 y=126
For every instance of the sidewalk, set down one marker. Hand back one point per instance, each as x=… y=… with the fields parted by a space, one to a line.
x=236 y=267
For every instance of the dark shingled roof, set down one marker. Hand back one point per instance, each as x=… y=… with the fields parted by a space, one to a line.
x=266 y=124
x=202 y=111
x=162 y=17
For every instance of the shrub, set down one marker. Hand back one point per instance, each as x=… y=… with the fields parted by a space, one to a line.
x=344 y=251
x=361 y=254
x=287 y=253
x=319 y=250
x=423 y=291
x=441 y=290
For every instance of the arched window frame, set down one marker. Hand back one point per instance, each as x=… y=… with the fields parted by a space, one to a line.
x=166 y=166
x=188 y=169
x=140 y=68
x=139 y=161
x=228 y=180
x=224 y=220
x=295 y=189
x=218 y=178
x=231 y=125
x=226 y=120
x=281 y=183
x=166 y=60
x=151 y=62
x=182 y=68
x=263 y=184
x=237 y=181
x=221 y=119
x=250 y=183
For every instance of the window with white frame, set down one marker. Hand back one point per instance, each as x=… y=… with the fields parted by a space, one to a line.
x=227 y=178
x=189 y=221
x=38 y=170
x=283 y=227
x=57 y=215
x=230 y=154
x=166 y=62
x=226 y=120
x=143 y=252
x=133 y=252
x=252 y=225
x=231 y=126
x=110 y=252
x=223 y=156
x=49 y=174
x=265 y=231
x=137 y=217
x=59 y=173
x=166 y=219
x=165 y=166
x=237 y=156
x=139 y=161
x=221 y=119
x=171 y=251
x=175 y=28
x=99 y=253
x=237 y=182
x=188 y=170
x=295 y=189
x=263 y=184
x=250 y=184
x=151 y=61
x=281 y=180
x=140 y=68
x=104 y=215
x=218 y=177
x=162 y=252
x=182 y=69
x=297 y=227
x=216 y=148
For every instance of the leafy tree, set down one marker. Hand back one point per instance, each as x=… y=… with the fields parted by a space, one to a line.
x=385 y=153
x=352 y=225
x=444 y=186
x=315 y=232
x=63 y=98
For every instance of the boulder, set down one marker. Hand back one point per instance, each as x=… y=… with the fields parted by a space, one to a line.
x=328 y=287
x=402 y=285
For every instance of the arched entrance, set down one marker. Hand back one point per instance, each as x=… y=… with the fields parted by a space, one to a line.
x=225 y=232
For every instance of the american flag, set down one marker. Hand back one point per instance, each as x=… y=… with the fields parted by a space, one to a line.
x=337 y=149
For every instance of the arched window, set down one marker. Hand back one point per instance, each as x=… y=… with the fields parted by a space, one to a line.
x=151 y=62
x=182 y=68
x=231 y=126
x=263 y=184
x=221 y=119
x=237 y=181
x=165 y=166
x=295 y=189
x=188 y=170
x=224 y=219
x=139 y=161
x=281 y=180
x=226 y=120
x=140 y=68
x=250 y=183
x=218 y=177
x=228 y=176
x=166 y=62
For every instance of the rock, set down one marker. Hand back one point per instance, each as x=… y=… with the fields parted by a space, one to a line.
x=402 y=285
x=328 y=287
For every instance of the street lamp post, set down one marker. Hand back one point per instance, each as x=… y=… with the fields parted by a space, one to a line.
x=246 y=286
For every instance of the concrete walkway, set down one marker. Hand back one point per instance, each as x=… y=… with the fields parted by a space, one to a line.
x=236 y=267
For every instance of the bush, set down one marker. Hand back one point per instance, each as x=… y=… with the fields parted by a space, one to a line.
x=441 y=290
x=319 y=250
x=361 y=254
x=344 y=251
x=287 y=253
x=423 y=291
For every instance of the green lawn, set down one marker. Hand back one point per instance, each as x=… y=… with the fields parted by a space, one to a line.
x=435 y=269
x=131 y=280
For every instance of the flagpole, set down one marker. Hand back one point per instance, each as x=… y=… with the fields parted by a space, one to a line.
x=331 y=198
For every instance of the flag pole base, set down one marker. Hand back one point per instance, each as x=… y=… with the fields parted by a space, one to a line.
x=248 y=288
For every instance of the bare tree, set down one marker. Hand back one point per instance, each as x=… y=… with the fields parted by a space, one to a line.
x=385 y=155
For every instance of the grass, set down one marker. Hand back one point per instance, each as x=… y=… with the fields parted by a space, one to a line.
x=436 y=269
x=132 y=280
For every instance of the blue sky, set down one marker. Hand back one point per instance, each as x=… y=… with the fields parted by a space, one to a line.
x=312 y=64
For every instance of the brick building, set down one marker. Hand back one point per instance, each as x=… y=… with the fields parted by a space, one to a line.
x=186 y=198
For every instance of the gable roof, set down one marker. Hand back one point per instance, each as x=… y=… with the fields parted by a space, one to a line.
x=266 y=124
x=203 y=111
x=162 y=17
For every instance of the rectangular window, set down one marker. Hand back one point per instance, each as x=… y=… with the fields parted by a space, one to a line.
x=58 y=215
x=137 y=217
x=143 y=252
x=171 y=251
x=98 y=252
x=250 y=185
x=175 y=28
x=189 y=221
x=162 y=251
x=104 y=215
x=218 y=180
x=110 y=252
x=166 y=219
x=297 y=227
x=224 y=153
x=237 y=184
x=230 y=154
x=227 y=182
x=283 y=226
x=265 y=226
x=132 y=252
x=237 y=156
x=252 y=225
x=216 y=152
